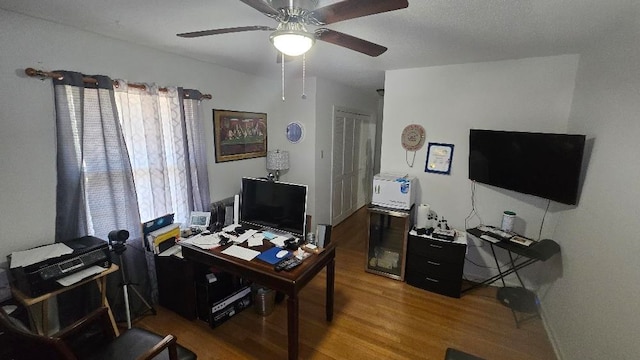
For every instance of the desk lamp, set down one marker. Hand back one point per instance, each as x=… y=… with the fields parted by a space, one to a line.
x=277 y=160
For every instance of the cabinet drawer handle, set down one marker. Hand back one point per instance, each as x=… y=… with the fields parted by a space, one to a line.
x=433 y=263
x=435 y=246
x=433 y=280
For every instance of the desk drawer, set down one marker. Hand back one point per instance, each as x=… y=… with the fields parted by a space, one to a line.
x=437 y=268
x=435 y=249
x=434 y=283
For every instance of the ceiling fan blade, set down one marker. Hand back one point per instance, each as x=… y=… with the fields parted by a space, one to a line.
x=350 y=42
x=350 y=9
x=261 y=6
x=224 y=31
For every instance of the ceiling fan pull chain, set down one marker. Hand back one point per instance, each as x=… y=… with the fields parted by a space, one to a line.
x=282 y=77
x=304 y=71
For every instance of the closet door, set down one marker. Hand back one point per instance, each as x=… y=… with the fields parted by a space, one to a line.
x=352 y=163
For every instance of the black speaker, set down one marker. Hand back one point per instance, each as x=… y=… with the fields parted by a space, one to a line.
x=518 y=299
x=218 y=212
x=323 y=235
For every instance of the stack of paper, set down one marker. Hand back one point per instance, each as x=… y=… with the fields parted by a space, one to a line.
x=37 y=254
x=161 y=239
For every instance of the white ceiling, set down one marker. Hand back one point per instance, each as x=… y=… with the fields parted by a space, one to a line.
x=427 y=33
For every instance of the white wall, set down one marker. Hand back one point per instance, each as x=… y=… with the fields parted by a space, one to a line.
x=523 y=95
x=301 y=158
x=593 y=310
x=329 y=95
x=27 y=164
x=311 y=158
x=588 y=293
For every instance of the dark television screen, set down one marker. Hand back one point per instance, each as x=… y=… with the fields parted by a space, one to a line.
x=274 y=204
x=541 y=164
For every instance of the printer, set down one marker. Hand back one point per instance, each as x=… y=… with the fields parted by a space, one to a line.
x=40 y=278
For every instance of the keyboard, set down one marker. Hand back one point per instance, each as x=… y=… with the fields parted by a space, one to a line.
x=502 y=234
x=490 y=239
x=270 y=233
x=493 y=234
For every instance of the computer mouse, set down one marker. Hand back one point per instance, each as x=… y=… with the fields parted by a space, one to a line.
x=281 y=254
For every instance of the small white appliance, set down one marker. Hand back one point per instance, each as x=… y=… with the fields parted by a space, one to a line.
x=394 y=190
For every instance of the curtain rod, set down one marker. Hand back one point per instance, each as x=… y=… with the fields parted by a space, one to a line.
x=41 y=73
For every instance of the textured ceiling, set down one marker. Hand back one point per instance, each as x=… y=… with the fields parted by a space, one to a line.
x=427 y=33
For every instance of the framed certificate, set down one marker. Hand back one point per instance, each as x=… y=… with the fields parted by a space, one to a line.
x=439 y=157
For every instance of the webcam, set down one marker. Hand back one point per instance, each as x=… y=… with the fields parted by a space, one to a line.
x=117 y=238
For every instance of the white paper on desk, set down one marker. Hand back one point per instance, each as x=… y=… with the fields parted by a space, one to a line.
x=32 y=256
x=203 y=241
x=229 y=228
x=278 y=241
x=241 y=252
x=80 y=275
x=245 y=236
x=171 y=251
x=255 y=240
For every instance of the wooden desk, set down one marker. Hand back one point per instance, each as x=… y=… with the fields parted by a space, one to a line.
x=42 y=326
x=290 y=283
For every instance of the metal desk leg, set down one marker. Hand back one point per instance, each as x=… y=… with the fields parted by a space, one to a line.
x=495 y=258
x=515 y=317
x=513 y=266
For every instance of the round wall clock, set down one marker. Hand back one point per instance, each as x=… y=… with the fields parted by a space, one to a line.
x=295 y=132
x=413 y=137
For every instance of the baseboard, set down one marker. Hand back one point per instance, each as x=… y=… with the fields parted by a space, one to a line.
x=550 y=333
x=513 y=282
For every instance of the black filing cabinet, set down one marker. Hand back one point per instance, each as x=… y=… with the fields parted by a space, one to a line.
x=435 y=265
x=189 y=288
x=176 y=285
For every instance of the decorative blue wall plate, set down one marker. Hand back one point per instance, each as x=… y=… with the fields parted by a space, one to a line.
x=295 y=132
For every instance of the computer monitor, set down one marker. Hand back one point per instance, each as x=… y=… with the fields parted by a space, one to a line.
x=274 y=205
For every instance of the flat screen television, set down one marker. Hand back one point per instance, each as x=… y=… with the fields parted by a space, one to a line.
x=542 y=164
x=274 y=205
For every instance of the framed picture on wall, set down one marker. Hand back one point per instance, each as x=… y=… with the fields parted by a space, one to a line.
x=439 y=157
x=239 y=135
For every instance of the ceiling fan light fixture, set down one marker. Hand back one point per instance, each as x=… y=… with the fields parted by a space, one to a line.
x=292 y=43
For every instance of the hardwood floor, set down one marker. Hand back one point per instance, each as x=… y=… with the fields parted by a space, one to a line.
x=374 y=318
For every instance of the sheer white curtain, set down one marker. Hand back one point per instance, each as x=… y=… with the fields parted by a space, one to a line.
x=153 y=127
x=163 y=134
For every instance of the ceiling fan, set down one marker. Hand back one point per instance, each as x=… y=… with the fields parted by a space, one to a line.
x=291 y=36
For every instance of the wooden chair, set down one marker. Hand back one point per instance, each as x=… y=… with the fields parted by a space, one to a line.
x=90 y=338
